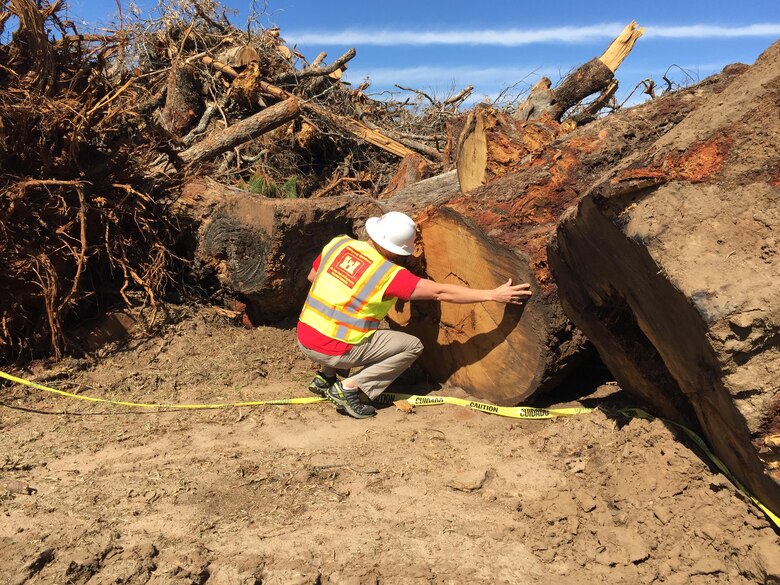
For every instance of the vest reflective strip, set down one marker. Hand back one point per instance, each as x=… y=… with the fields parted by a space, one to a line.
x=340 y=317
x=367 y=290
x=340 y=243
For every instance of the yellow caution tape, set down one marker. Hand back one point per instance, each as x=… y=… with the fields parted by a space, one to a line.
x=524 y=412
x=520 y=412
x=639 y=413
x=312 y=400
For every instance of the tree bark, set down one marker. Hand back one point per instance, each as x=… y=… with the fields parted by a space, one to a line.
x=670 y=267
x=412 y=169
x=260 y=248
x=246 y=130
x=492 y=144
x=501 y=230
x=592 y=77
x=183 y=104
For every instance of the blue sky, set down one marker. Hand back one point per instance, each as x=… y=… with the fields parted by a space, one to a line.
x=439 y=47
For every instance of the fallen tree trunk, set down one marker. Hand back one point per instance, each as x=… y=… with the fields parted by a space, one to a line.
x=670 y=267
x=414 y=198
x=262 y=249
x=242 y=132
x=501 y=230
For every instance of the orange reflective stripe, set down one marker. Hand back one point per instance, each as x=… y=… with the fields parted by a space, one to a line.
x=326 y=257
x=380 y=282
x=346 y=302
x=328 y=312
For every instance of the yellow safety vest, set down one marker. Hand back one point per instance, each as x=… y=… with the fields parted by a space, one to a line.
x=345 y=301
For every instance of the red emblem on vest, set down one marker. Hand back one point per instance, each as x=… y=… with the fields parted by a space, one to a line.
x=349 y=266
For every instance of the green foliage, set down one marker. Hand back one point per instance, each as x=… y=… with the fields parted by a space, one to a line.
x=261 y=185
x=265 y=187
x=290 y=188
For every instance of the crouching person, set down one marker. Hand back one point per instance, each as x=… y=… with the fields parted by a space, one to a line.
x=354 y=285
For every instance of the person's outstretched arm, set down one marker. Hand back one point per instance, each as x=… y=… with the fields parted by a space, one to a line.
x=429 y=290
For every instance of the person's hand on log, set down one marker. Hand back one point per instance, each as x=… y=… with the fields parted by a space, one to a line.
x=515 y=294
x=429 y=290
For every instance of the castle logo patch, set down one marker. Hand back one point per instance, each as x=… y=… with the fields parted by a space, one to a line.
x=349 y=266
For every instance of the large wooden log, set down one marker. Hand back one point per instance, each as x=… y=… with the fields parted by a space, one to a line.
x=500 y=230
x=262 y=249
x=670 y=267
x=482 y=348
x=414 y=198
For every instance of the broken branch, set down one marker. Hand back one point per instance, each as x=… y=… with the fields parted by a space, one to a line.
x=242 y=132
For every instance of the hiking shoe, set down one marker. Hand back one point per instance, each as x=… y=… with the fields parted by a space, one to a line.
x=349 y=401
x=320 y=384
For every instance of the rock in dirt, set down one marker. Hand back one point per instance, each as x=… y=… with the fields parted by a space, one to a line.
x=708 y=566
x=15 y=486
x=763 y=562
x=470 y=481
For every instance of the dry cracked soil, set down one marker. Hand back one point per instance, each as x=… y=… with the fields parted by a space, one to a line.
x=95 y=493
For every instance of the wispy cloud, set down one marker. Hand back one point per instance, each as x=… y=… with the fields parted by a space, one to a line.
x=516 y=37
x=705 y=31
x=437 y=76
x=440 y=78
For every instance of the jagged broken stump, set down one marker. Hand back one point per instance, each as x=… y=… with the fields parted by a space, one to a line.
x=671 y=267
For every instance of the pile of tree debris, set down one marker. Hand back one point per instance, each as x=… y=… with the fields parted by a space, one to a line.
x=99 y=132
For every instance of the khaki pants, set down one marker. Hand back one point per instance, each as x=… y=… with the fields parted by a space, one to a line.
x=383 y=356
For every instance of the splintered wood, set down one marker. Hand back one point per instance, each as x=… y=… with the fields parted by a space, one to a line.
x=619 y=49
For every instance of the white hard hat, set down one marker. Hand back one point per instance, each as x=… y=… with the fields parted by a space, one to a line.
x=394 y=231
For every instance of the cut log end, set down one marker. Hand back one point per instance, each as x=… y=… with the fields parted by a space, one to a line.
x=491 y=350
x=492 y=144
x=261 y=248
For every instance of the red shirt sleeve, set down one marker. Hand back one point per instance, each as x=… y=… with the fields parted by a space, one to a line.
x=402 y=286
x=316 y=263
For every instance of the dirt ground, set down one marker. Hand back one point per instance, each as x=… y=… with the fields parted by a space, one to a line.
x=92 y=493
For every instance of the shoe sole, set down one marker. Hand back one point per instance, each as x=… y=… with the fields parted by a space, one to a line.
x=344 y=405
